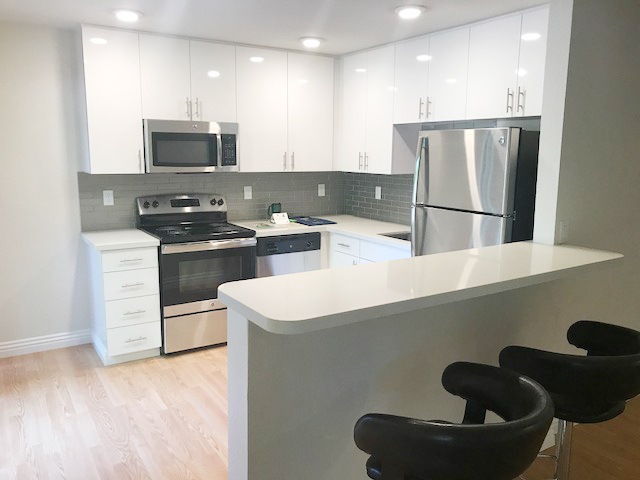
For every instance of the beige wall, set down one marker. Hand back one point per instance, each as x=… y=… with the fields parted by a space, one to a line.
x=41 y=290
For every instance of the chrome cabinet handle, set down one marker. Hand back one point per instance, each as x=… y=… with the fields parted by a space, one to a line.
x=293 y=161
x=355 y=262
x=521 y=92
x=127 y=260
x=197 y=107
x=137 y=312
x=359 y=160
x=344 y=245
x=428 y=112
x=366 y=162
x=188 y=108
x=420 y=108
x=509 y=104
x=135 y=339
x=129 y=285
x=284 y=161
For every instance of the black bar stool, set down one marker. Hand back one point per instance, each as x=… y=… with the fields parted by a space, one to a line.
x=584 y=389
x=409 y=449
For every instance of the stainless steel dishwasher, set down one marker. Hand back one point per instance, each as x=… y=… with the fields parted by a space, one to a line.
x=283 y=254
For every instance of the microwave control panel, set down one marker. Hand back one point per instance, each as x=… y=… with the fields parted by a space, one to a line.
x=228 y=150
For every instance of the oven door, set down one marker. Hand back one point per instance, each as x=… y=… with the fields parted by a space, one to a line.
x=191 y=273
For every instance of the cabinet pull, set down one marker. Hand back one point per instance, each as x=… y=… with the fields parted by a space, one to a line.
x=293 y=161
x=140 y=167
x=135 y=339
x=428 y=112
x=130 y=285
x=284 y=161
x=197 y=108
x=509 y=104
x=127 y=260
x=366 y=162
x=188 y=108
x=359 y=160
x=345 y=245
x=137 y=312
x=420 y=108
x=521 y=92
x=355 y=262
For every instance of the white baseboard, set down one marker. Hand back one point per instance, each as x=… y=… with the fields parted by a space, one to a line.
x=44 y=343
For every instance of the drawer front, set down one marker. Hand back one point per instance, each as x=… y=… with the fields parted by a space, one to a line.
x=377 y=252
x=345 y=244
x=132 y=311
x=129 y=259
x=193 y=331
x=132 y=283
x=133 y=339
x=339 y=259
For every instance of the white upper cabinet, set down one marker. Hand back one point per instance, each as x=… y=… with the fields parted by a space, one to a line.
x=494 y=49
x=262 y=109
x=166 y=83
x=354 y=112
x=379 y=129
x=411 y=76
x=187 y=80
x=114 y=116
x=449 y=52
x=533 y=47
x=310 y=113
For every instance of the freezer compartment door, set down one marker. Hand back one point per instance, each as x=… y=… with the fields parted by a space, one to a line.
x=467 y=169
x=435 y=230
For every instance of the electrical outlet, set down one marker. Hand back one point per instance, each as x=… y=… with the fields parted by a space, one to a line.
x=321 y=189
x=378 y=193
x=107 y=198
x=248 y=192
x=563 y=234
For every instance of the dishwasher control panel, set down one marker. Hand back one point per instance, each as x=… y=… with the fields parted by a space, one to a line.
x=277 y=245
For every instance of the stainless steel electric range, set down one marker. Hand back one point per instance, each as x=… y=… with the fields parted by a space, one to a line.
x=199 y=251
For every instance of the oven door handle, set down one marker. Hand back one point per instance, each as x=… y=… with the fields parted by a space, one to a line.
x=209 y=245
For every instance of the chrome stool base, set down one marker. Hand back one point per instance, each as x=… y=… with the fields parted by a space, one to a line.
x=562 y=457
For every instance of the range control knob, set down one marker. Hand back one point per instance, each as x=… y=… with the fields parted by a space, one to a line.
x=155 y=204
x=309 y=244
x=213 y=202
x=146 y=204
x=220 y=202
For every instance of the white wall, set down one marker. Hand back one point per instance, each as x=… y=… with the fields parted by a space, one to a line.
x=42 y=291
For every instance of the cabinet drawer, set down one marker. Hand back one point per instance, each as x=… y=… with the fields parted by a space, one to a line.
x=377 y=252
x=133 y=339
x=132 y=311
x=131 y=283
x=345 y=244
x=339 y=259
x=129 y=259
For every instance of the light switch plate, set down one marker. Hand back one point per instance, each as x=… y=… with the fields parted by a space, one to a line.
x=321 y=189
x=107 y=198
x=378 y=193
x=248 y=192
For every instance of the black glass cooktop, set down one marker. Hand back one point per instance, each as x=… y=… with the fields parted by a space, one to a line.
x=197 y=232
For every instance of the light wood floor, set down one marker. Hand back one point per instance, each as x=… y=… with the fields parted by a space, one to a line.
x=65 y=416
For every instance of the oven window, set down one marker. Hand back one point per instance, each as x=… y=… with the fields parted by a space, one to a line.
x=185 y=150
x=201 y=275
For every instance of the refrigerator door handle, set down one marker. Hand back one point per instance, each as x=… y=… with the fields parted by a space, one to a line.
x=421 y=176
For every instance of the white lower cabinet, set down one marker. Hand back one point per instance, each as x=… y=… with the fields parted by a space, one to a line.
x=346 y=250
x=126 y=304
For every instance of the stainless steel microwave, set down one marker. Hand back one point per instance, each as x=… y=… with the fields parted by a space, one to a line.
x=180 y=146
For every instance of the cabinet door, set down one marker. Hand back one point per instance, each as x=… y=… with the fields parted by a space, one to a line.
x=379 y=130
x=213 y=81
x=339 y=259
x=448 y=75
x=112 y=85
x=533 y=48
x=166 y=86
x=354 y=112
x=411 y=78
x=262 y=109
x=493 y=65
x=310 y=103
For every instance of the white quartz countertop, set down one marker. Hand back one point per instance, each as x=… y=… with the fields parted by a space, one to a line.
x=321 y=299
x=362 y=228
x=119 y=239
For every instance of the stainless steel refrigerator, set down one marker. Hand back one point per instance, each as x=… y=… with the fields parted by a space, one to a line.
x=473 y=188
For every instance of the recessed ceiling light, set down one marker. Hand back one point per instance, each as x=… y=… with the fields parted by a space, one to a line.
x=127 y=15
x=409 y=12
x=530 y=37
x=213 y=73
x=451 y=80
x=303 y=81
x=256 y=59
x=311 y=42
x=98 y=40
x=361 y=70
x=423 y=58
x=521 y=72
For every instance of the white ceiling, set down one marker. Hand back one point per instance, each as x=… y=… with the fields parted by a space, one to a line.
x=347 y=25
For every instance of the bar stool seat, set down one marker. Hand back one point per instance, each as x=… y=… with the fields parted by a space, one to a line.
x=403 y=448
x=585 y=389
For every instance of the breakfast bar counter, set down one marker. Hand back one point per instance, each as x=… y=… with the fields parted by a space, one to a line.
x=310 y=353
